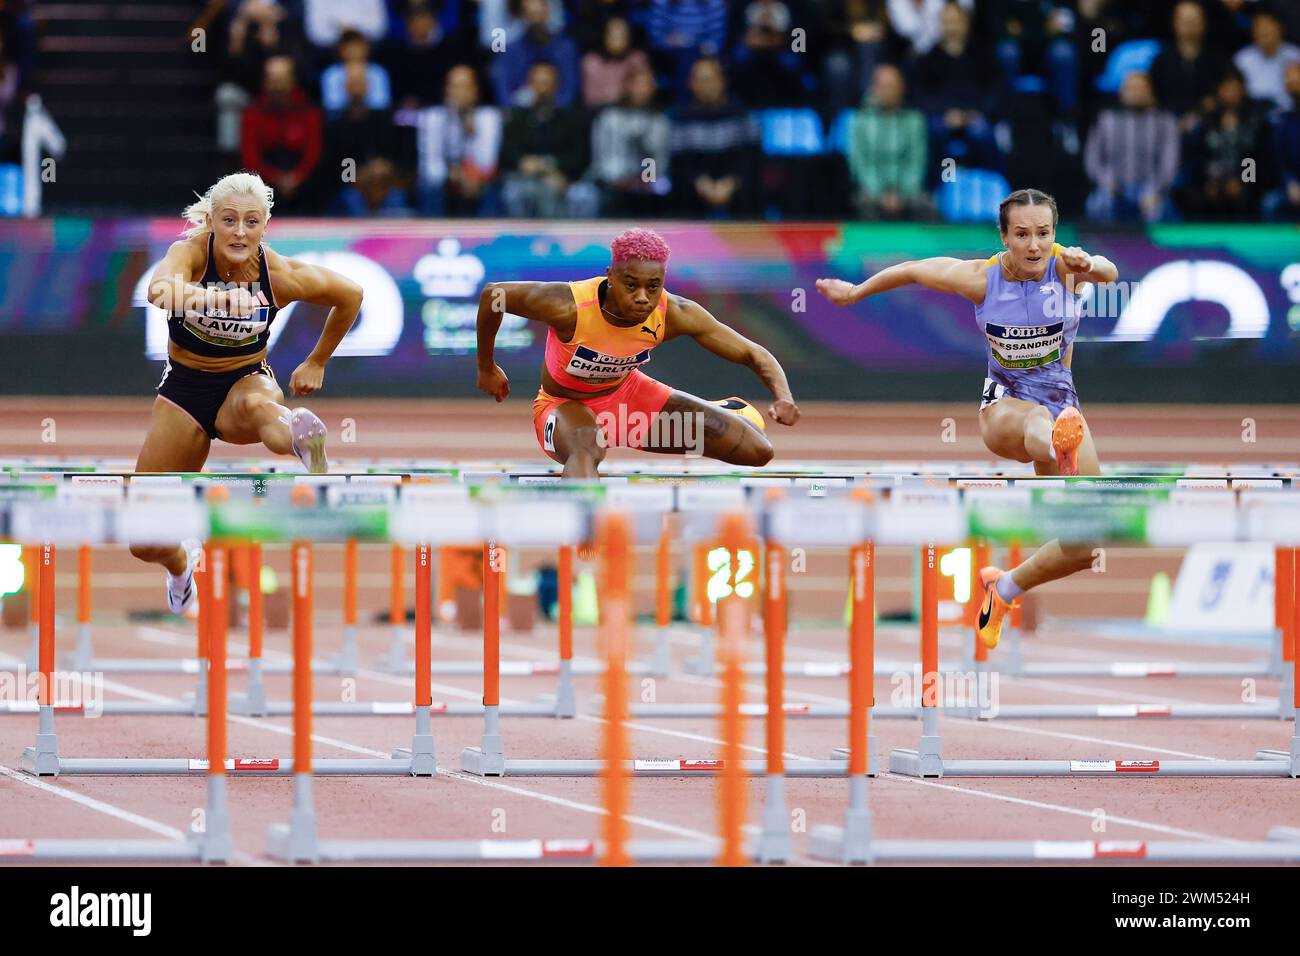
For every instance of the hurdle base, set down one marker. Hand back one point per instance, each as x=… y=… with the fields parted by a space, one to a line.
x=420 y=755
x=293 y=842
x=774 y=844
x=109 y=851
x=660 y=662
x=489 y=760
x=650 y=768
x=848 y=844
x=1286 y=694
x=926 y=762
x=192 y=767
x=196 y=703
x=905 y=762
x=566 y=702
x=1292 y=756
x=348 y=660
x=214 y=844
x=511 y=851
x=42 y=760
x=704 y=662
x=251 y=703
x=395 y=660
x=873 y=756
x=82 y=656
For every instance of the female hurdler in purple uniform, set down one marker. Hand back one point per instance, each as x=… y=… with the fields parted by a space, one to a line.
x=1027 y=305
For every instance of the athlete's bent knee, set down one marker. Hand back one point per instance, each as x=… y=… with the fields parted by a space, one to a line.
x=755 y=452
x=763 y=452
x=587 y=441
x=248 y=404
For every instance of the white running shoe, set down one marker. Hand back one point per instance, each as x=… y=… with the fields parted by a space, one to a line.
x=308 y=433
x=180 y=587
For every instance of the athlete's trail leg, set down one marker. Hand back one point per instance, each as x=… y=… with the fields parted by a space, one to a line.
x=577 y=439
x=691 y=426
x=1022 y=431
x=253 y=412
x=175 y=442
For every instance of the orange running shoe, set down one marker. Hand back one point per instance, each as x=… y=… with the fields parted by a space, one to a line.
x=992 y=610
x=1067 y=435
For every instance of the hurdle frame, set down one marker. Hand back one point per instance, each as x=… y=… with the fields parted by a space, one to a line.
x=210 y=845
x=418 y=760
x=927 y=759
x=489 y=758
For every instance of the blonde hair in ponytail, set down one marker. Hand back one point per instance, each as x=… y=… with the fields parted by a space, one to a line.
x=199 y=214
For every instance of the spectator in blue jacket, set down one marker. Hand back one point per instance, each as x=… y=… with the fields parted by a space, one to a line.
x=538 y=44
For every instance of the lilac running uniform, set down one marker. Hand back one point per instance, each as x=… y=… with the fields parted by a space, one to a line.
x=1029 y=327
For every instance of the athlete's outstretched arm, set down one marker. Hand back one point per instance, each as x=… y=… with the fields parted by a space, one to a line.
x=689 y=318
x=171 y=290
x=548 y=302
x=319 y=286
x=1079 y=267
x=965 y=277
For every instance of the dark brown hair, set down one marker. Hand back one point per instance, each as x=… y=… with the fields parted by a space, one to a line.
x=1025 y=197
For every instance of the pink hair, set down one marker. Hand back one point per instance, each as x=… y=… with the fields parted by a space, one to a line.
x=639 y=244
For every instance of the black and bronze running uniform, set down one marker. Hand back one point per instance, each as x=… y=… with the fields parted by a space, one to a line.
x=210 y=332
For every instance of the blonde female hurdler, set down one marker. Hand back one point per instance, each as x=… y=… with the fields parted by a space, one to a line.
x=1027 y=306
x=221 y=289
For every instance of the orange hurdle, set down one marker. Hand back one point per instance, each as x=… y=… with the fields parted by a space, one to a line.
x=660 y=663
x=928 y=753
x=216 y=825
x=774 y=844
x=394 y=660
x=566 y=704
x=31 y=557
x=614 y=541
x=732 y=617
x=1295 y=629
x=349 y=658
x=253 y=700
x=43 y=758
x=488 y=759
x=1284 y=603
x=84 y=654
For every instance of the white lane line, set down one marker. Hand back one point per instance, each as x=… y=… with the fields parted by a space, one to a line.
x=714 y=684
x=139 y=693
x=1156 y=827
x=1081 y=738
x=108 y=809
x=999 y=724
x=99 y=806
x=443 y=771
x=581 y=807
x=1072 y=811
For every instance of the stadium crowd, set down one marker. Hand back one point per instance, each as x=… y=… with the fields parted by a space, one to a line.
x=880 y=109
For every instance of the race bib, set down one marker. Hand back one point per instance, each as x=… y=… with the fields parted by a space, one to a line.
x=216 y=328
x=1025 y=346
x=596 y=366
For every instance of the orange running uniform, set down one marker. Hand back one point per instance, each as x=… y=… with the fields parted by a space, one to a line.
x=598 y=356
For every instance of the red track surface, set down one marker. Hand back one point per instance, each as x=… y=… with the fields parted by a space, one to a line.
x=482 y=429
x=456 y=805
